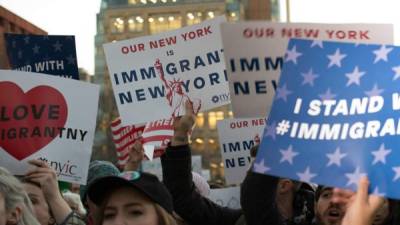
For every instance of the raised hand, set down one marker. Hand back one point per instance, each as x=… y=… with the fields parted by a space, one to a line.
x=183 y=126
x=362 y=207
x=135 y=157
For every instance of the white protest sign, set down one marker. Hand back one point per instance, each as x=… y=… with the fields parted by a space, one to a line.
x=48 y=118
x=226 y=197
x=153 y=76
x=254 y=54
x=154 y=166
x=236 y=137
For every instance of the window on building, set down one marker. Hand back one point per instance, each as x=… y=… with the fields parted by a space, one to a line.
x=211 y=14
x=200 y=120
x=135 y=24
x=164 y=22
x=133 y=2
x=233 y=16
x=117 y=25
x=212 y=120
x=1 y=22
x=12 y=27
x=193 y=18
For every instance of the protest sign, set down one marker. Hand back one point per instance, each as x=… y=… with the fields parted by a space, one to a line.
x=49 y=54
x=47 y=118
x=154 y=166
x=254 y=55
x=124 y=138
x=236 y=138
x=226 y=197
x=153 y=76
x=341 y=124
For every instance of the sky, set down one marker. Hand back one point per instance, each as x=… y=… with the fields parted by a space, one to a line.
x=63 y=17
x=78 y=17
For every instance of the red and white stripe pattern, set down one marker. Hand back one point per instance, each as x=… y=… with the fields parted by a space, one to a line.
x=124 y=138
x=158 y=134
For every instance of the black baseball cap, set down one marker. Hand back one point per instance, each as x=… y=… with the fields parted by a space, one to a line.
x=146 y=183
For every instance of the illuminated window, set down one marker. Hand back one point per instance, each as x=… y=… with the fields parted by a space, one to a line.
x=164 y=22
x=230 y=113
x=220 y=115
x=117 y=25
x=200 y=120
x=212 y=120
x=233 y=16
x=193 y=18
x=132 y=2
x=135 y=24
x=210 y=14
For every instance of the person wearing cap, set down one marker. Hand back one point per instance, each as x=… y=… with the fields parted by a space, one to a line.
x=194 y=208
x=97 y=169
x=132 y=198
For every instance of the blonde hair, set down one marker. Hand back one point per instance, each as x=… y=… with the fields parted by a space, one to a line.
x=14 y=196
x=165 y=218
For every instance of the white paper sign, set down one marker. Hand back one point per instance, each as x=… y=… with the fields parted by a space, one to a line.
x=236 y=138
x=191 y=66
x=49 y=118
x=254 y=54
x=226 y=197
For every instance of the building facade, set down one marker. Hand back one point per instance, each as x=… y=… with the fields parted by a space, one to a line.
x=12 y=23
x=125 y=19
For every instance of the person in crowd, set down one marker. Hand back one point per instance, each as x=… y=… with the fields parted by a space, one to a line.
x=41 y=184
x=132 y=198
x=388 y=213
x=194 y=208
x=97 y=169
x=15 y=206
x=74 y=202
x=362 y=208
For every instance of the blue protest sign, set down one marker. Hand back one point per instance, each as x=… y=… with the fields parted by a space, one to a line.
x=53 y=54
x=335 y=117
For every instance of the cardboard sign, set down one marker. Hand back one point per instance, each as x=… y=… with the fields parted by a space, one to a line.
x=47 y=118
x=254 y=54
x=340 y=121
x=226 y=197
x=154 y=76
x=49 y=54
x=236 y=138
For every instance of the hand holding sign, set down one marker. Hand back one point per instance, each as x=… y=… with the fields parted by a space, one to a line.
x=46 y=177
x=183 y=126
x=135 y=156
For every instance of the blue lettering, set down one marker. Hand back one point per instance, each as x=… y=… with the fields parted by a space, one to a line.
x=261 y=87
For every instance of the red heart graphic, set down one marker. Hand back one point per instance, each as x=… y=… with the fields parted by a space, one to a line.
x=29 y=121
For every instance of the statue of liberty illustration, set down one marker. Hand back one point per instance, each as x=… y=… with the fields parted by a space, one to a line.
x=175 y=95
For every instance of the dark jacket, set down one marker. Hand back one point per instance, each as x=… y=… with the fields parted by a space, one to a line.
x=188 y=203
x=257 y=198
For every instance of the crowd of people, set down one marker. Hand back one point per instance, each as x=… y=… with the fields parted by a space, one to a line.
x=133 y=197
